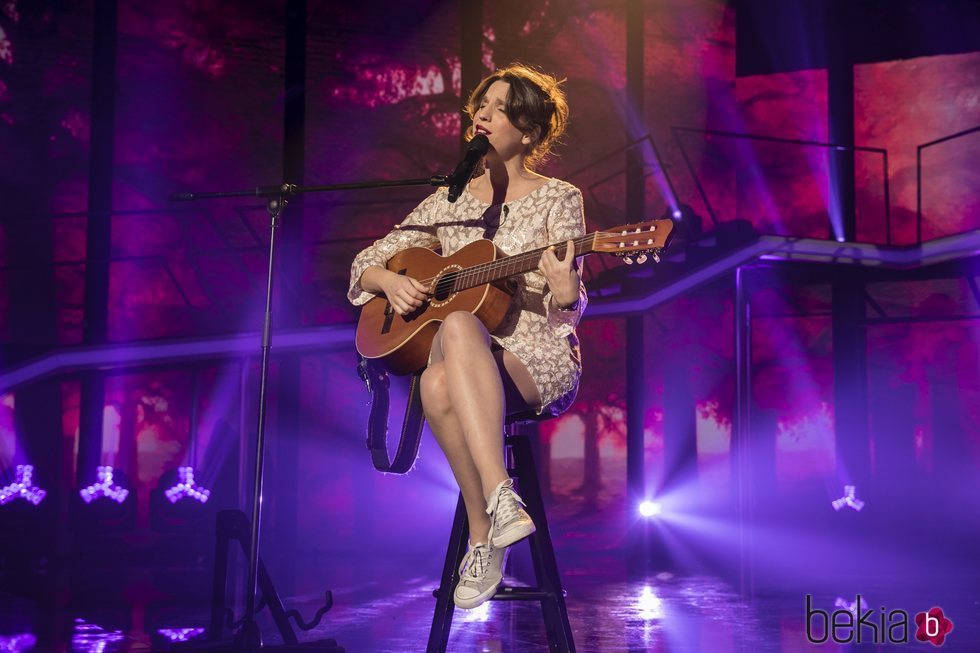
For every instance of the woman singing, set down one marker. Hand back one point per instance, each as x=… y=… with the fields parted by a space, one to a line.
x=531 y=361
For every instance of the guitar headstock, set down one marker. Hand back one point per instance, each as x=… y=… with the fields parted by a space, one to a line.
x=635 y=241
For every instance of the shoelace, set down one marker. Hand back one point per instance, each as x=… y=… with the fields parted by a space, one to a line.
x=507 y=509
x=475 y=562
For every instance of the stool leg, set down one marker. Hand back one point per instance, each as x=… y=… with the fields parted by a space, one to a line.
x=442 y=620
x=542 y=550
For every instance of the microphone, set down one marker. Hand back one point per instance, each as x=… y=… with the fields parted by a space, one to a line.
x=475 y=150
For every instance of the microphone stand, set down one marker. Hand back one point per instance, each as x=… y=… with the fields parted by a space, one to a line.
x=249 y=638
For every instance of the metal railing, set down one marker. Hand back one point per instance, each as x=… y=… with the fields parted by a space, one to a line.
x=918 y=174
x=785 y=141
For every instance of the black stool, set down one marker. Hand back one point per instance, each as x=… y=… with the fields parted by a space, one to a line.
x=520 y=465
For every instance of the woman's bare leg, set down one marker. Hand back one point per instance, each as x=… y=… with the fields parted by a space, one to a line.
x=477 y=392
x=477 y=474
x=449 y=434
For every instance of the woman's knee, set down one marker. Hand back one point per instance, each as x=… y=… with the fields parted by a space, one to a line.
x=462 y=329
x=435 y=390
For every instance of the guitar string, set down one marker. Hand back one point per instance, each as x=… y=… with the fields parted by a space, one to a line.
x=474 y=271
x=506 y=262
x=517 y=259
x=502 y=263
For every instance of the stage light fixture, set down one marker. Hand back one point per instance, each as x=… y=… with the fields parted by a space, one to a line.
x=180 y=504
x=180 y=634
x=688 y=227
x=105 y=487
x=651 y=508
x=849 y=499
x=850 y=606
x=22 y=488
x=186 y=487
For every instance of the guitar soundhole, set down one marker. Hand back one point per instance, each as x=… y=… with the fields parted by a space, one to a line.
x=445 y=286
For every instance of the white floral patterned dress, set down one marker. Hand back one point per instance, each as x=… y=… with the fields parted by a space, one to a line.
x=534 y=329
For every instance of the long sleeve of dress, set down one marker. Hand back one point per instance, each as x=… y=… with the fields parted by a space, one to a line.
x=417 y=230
x=566 y=220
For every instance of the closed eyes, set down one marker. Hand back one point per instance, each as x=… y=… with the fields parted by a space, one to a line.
x=500 y=106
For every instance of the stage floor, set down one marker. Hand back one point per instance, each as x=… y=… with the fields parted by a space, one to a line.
x=152 y=590
x=382 y=604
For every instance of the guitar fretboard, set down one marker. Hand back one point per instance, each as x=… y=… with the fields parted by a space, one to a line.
x=507 y=266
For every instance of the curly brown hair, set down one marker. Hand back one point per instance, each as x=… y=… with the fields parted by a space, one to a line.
x=535 y=99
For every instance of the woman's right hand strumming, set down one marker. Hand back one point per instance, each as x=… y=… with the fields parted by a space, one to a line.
x=403 y=292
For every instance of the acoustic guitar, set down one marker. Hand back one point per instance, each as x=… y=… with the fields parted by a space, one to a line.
x=475 y=279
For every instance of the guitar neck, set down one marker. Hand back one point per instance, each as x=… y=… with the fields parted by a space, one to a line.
x=509 y=266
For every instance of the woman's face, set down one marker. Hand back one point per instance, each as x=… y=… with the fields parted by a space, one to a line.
x=491 y=118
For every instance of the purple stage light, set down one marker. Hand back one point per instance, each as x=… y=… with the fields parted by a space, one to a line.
x=651 y=508
x=104 y=488
x=187 y=488
x=849 y=499
x=17 y=643
x=850 y=606
x=22 y=488
x=677 y=214
x=180 y=634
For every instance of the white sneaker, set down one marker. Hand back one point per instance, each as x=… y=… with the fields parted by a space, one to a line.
x=480 y=573
x=509 y=522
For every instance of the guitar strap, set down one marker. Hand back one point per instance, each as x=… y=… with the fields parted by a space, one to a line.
x=376 y=380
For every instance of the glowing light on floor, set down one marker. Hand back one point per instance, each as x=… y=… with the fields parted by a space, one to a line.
x=22 y=488
x=187 y=488
x=849 y=499
x=651 y=508
x=104 y=488
x=480 y=613
x=92 y=638
x=181 y=634
x=649 y=605
x=17 y=643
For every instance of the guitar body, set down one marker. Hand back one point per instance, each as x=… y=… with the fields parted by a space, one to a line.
x=401 y=343
x=477 y=279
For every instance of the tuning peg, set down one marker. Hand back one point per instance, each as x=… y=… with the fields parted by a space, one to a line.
x=628 y=259
x=656 y=258
x=642 y=258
